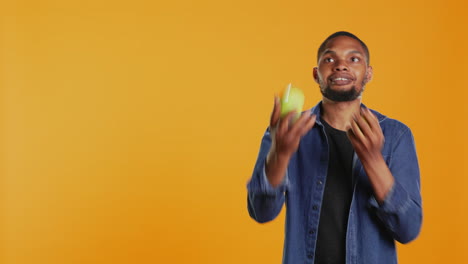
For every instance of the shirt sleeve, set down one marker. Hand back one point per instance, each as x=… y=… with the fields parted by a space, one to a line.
x=401 y=210
x=264 y=202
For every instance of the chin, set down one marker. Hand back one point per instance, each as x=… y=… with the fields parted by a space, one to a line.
x=344 y=94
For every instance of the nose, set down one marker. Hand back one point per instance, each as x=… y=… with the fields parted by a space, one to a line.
x=340 y=66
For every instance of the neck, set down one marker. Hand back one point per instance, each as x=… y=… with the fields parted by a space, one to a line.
x=340 y=114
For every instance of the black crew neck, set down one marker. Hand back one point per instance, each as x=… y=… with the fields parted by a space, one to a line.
x=331 y=129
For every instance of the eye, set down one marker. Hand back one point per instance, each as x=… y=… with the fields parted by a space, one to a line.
x=354 y=59
x=329 y=60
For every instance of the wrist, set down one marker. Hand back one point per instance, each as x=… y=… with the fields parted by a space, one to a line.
x=277 y=156
x=372 y=159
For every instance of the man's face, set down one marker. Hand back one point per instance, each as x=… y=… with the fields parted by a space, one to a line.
x=342 y=70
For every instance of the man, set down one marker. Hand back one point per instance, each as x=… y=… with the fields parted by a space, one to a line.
x=349 y=175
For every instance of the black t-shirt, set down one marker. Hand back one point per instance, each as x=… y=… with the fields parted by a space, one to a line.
x=331 y=240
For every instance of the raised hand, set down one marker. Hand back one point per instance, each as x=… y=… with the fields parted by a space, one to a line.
x=286 y=133
x=366 y=136
x=285 y=136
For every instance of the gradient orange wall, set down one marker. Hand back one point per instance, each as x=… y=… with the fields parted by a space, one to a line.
x=130 y=128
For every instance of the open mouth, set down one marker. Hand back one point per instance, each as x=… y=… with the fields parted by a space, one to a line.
x=341 y=80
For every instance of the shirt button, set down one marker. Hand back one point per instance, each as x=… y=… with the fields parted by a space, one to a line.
x=319 y=182
x=312 y=231
x=310 y=256
x=314 y=207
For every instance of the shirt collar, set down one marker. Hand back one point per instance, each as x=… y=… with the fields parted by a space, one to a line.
x=317 y=109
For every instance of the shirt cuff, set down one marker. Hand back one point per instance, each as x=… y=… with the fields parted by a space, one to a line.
x=268 y=188
x=397 y=200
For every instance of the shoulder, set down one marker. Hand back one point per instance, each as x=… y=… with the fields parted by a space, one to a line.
x=391 y=127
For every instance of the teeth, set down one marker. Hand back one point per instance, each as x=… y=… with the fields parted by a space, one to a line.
x=340 y=79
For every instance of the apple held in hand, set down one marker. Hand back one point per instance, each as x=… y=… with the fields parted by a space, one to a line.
x=292 y=100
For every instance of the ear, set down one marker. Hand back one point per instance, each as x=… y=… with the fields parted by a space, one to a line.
x=315 y=73
x=369 y=74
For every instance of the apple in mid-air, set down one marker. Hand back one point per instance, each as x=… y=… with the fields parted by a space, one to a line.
x=292 y=99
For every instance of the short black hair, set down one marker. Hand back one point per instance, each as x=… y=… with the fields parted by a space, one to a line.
x=339 y=34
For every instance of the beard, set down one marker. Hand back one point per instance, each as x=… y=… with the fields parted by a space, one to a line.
x=342 y=96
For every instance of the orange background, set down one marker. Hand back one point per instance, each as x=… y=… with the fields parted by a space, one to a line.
x=130 y=128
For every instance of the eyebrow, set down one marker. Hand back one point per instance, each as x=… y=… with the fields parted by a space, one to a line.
x=333 y=52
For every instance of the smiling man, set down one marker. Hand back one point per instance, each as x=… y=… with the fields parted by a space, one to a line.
x=348 y=175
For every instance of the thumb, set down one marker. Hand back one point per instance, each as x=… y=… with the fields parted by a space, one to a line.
x=275 y=114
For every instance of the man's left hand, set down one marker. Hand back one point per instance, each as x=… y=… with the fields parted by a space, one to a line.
x=366 y=136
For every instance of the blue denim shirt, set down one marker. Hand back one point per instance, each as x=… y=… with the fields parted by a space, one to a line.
x=372 y=227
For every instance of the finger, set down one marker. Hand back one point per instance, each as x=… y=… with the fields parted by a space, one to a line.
x=351 y=136
x=365 y=114
x=373 y=121
x=353 y=139
x=308 y=126
x=370 y=117
x=284 y=122
x=299 y=124
x=292 y=116
x=369 y=112
x=275 y=114
x=363 y=124
x=357 y=131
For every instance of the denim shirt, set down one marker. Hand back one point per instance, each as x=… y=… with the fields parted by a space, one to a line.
x=372 y=227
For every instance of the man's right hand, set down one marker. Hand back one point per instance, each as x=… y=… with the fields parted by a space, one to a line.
x=285 y=137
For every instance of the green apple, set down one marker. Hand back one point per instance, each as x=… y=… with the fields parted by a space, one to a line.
x=292 y=100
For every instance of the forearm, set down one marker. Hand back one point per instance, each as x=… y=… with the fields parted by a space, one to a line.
x=400 y=210
x=265 y=200
x=276 y=166
x=379 y=175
